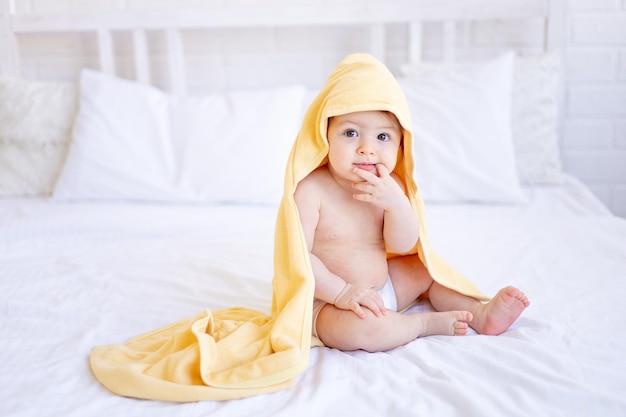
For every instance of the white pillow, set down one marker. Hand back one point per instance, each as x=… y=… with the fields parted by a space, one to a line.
x=134 y=142
x=35 y=125
x=537 y=84
x=536 y=91
x=463 y=147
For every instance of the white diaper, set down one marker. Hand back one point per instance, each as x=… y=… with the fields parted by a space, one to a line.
x=387 y=293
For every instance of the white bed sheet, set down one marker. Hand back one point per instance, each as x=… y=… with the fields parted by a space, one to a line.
x=77 y=275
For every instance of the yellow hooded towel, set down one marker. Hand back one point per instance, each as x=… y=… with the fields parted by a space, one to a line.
x=237 y=352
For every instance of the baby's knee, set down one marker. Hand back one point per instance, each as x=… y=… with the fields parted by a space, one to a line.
x=348 y=332
x=368 y=331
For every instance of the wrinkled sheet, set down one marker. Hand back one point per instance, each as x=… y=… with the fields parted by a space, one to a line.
x=77 y=275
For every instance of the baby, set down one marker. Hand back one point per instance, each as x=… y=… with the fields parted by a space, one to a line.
x=354 y=211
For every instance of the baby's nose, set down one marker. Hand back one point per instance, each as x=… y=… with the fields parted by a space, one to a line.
x=366 y=148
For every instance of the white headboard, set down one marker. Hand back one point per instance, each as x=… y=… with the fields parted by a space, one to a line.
x=374 y=14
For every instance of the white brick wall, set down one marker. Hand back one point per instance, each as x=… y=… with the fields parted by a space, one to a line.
x=594 y=137
x=594 y=127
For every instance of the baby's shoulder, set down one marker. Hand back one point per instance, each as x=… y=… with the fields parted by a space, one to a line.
x=318 y=178
x=311 y=190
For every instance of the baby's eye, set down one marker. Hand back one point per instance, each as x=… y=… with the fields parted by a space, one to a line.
x=384 y=137
x=351 y=133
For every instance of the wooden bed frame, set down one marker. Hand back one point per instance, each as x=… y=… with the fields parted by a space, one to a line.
x=373 y=13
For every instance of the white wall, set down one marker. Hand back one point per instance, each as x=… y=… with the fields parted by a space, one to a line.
x=594 y=140
x=594 y=128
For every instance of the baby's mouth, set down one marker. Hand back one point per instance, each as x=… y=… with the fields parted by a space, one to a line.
x=366 y=167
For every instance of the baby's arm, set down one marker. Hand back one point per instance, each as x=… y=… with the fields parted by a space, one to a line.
x=328 y=286
x=401 y=227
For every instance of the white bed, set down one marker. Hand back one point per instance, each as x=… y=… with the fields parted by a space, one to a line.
x=81 y=272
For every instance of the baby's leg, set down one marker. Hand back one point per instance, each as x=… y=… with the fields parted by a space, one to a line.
x=344 y=330
x=491 y=318
x=410 y=278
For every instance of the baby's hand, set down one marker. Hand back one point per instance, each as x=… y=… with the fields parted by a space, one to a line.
x=382 y=190
x=352 y=298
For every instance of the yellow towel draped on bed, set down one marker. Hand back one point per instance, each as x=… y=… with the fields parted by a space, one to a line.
x=237 y=352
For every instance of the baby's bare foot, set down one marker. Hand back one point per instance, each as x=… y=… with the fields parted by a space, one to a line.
x=500 y=312
x=448 y=323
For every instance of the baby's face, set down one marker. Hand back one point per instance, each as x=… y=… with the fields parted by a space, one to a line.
x=362 y=139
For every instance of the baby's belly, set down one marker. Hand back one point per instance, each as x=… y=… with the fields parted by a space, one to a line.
x=363 y=266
